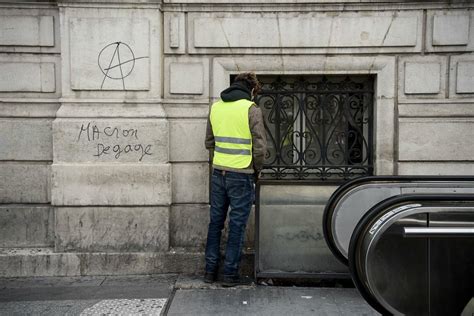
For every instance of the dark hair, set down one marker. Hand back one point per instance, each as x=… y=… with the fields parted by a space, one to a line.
x=250 y=80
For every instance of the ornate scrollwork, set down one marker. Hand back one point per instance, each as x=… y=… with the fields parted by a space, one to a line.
x=318 y=127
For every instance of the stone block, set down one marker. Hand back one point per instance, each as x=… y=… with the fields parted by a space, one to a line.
x=190 y=183
x=26 y=226
x=450 y=29
x=192 y=109
x=26 y=139
x=112 y=229
x=25 y=183
x=33 y=262
x=187 y=141
x=109 y=53
x=128 y=109
x=422 y=78
x=222 y=32
x=111 y=184
x=32 y=109
x=27 y=77
x=36 y=262
x=174 y=31
x=111 y=140
x=141 y=263
x=27 y=30
x=186 y=76
x=465 y=77
x=188 y=225
x=436 y=168
x=443 y=139
x=432 y=109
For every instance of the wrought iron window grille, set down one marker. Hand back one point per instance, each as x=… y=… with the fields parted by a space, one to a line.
x=318 y=127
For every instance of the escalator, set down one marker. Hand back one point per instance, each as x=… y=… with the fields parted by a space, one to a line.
x=410 y=248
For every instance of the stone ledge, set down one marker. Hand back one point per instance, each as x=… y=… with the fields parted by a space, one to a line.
x=35 y=262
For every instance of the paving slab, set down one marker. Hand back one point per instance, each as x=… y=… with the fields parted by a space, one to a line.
x=66 y=307
x=260 y=300
x=86 y=288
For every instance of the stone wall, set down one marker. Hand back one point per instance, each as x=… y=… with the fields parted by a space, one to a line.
x=103 y=108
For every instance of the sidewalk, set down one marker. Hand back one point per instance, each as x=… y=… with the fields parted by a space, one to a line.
x=169 y=295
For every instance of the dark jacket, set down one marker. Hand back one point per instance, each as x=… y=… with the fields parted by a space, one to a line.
x=238 y=91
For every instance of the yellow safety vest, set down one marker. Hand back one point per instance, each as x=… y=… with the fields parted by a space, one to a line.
x=230 y=125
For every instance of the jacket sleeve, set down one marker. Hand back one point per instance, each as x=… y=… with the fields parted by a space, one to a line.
x=259 y=139
x=209 y=142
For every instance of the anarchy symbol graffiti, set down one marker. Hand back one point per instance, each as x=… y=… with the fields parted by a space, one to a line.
x=117 y=61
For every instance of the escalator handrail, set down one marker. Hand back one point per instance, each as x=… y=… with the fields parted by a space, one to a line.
x=348 y=186
x=389 y=203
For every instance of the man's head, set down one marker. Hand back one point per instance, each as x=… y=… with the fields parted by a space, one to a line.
x=251 y=81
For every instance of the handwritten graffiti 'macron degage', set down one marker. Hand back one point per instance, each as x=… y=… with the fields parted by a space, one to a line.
x=107 y=138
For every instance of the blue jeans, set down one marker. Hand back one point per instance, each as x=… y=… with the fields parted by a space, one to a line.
x=237 y=191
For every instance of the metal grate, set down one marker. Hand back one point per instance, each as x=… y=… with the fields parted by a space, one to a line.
x=318 y=127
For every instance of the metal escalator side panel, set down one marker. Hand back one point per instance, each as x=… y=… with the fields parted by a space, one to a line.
x=391 y=271
x=451 y=261
x=382 y=287
x=347 y=206
x=352 y=207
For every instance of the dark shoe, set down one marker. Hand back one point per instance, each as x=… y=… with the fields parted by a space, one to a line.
x=210 y=277
x=234 y=281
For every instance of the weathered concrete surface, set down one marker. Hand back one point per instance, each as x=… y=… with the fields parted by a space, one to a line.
x=461 y=73
x=465 y=77
x=190 y=183
x=25 y=183
x=189 y=223
x=29 y=262
x=16 y=262
x=112 y=52
x=451 y=109
x=111 y=184
x=186 y=77
x=27 y=77
x=26 y=226
x=30 y=77
x=174 y=32
x=111 y=140
x=187 y=141
x=27 y=30
x=130 y=109
x=270 y=301
x=449 y=31
x=422 y=78
x=434 y=168
x=26 y=139
x=281 y=30
x=436 y=139
x=85 y=287
x=111 y=229
x=134 y=42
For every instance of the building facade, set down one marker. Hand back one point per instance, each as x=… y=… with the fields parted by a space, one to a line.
x=103 y=108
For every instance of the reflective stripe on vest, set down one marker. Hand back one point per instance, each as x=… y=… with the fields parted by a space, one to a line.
x=230 y=126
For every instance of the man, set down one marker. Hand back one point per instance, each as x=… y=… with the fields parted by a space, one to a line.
x=236 y=140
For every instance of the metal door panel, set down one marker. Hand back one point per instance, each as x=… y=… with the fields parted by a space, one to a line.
x=289 y=235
